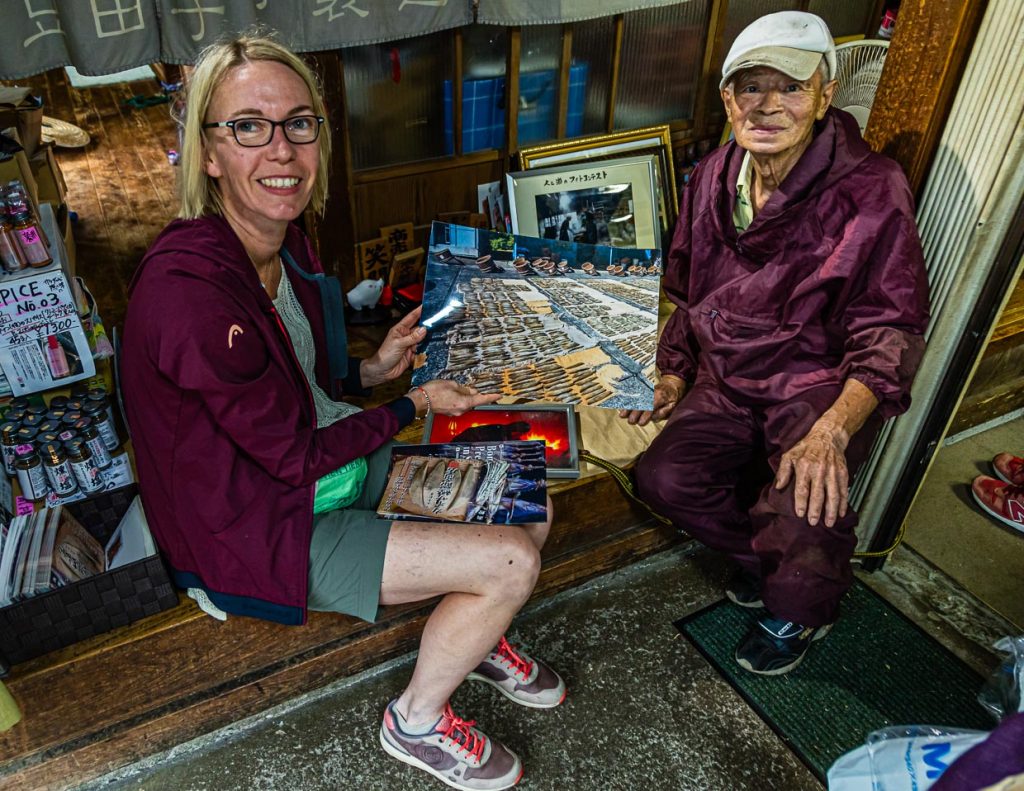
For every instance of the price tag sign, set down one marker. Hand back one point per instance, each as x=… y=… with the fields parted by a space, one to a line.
x=42 y=343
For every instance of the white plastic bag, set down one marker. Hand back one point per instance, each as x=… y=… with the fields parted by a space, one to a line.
x=905 y=758
x=1001 y=694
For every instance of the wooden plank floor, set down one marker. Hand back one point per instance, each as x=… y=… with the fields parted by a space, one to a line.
x=121 y=185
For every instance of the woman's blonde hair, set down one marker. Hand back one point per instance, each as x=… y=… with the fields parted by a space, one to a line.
x=199 y=193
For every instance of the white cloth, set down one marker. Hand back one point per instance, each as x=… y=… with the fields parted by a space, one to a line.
x=328 y=410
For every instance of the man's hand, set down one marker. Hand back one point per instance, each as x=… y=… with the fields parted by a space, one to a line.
x=817 y=463
x=395 y=354
x=667 y=393
x=817 y=467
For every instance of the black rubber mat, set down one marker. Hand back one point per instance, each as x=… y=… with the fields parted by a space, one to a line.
x=874 y=669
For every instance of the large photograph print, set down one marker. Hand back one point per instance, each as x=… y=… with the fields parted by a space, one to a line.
x=540 y=319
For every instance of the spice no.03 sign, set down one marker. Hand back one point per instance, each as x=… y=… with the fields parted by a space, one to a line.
x=35 y=306
x=42 y=343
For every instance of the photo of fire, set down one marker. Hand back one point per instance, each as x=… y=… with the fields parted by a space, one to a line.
x=554 y=425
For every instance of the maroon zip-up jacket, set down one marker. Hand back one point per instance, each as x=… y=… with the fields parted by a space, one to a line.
x=222 y=419
x=826 y=284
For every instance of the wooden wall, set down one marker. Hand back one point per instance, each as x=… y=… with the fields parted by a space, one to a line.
x=997 y=387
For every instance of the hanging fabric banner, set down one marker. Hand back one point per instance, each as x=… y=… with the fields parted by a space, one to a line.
x=546 y=12
x=95 y=36
x=106 y=36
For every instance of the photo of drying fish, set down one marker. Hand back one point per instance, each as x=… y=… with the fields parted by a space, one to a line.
x=490 y=482
x=540 y=319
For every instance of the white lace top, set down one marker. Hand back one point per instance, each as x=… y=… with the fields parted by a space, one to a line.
x=328 y=411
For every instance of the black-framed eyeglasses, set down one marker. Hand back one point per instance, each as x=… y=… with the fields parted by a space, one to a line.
x=256 y=132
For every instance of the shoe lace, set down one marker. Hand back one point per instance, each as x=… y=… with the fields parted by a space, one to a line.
x=461 y=732
x=520 y=665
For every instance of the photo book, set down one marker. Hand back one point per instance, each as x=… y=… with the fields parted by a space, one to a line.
x=489 y=482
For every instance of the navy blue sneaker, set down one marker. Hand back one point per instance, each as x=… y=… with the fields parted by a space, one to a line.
x=774 y=646
x=743 y=589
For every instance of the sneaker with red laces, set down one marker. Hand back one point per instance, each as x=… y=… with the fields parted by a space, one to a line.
x=453 y=751
x=1001 y=500
x=1009 y=468
x=520 y=678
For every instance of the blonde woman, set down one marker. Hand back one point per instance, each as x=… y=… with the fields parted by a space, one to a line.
x=234 y=363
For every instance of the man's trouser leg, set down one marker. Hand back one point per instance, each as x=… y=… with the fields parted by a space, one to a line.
x=691 y=470
x=805 y=568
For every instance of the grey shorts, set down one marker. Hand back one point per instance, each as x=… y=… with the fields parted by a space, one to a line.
x=346 y=555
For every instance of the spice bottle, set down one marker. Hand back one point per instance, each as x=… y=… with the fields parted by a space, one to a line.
x=14 y=415
x=33 y=421
x=9 y=441
x=17 y=202
x=58 y=469
x=88 y=475
x=31 y=477
x=98 y=411
x=11 y=257
x=32 y=244
x=71 y=417
x=88 y=432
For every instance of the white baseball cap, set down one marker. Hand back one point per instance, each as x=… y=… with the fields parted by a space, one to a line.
x=792 y=42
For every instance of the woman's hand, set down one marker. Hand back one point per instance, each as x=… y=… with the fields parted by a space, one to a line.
x=395 y=354
x=449 y=398
x=667 y=393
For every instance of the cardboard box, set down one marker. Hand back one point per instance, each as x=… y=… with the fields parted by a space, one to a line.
x=65 y=615
x=50 y=184
x=24 y=112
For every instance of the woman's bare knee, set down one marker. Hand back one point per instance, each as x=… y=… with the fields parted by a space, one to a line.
x=518 y=568
x=538 y=531
x=432 y=560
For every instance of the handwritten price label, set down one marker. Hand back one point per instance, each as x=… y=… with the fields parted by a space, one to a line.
x=35 y=307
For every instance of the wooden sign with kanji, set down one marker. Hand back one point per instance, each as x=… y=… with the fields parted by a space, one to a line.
x=407 y=268
x=399 y=237
x=374 y=259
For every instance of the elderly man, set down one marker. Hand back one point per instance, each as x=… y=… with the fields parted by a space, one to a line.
x=802 y=302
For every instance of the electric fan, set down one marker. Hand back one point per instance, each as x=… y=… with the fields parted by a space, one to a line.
x=858 y=69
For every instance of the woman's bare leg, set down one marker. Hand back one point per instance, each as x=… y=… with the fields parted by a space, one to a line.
x=538 y=531
x=485 y=574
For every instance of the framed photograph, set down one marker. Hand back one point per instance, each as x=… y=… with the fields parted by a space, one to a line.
x=652 y=140
x=609 y=203
x=555 y=424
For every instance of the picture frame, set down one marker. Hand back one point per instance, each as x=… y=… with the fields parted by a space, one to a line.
x=651 y=140
x=554 y=423
x=610 y=202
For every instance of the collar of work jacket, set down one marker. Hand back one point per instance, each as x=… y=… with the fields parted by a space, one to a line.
x=835 y=152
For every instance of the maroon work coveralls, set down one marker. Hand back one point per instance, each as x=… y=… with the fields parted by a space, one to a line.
x=826 y=284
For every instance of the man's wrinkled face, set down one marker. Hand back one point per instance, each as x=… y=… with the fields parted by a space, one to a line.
x=771 y=112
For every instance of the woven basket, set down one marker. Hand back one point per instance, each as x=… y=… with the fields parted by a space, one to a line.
x=63 y=134
x=91 y=606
